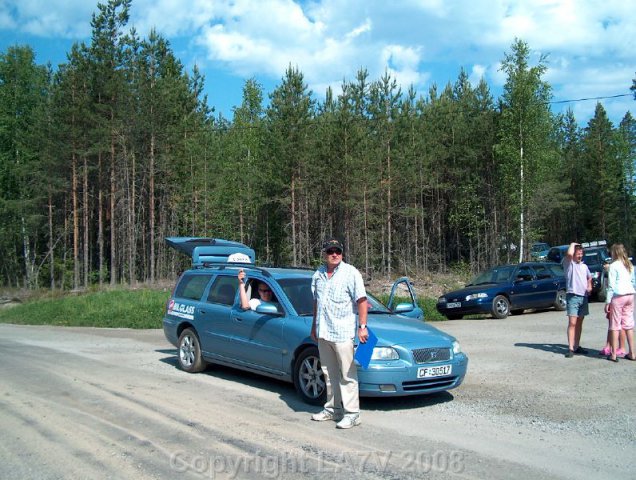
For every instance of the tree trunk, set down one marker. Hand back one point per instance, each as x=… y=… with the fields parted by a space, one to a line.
x=293 y=220
x=85 y=214
x=51 y=243
x=113 y=203
x=100 y=219
x=76 y=266
x=151 y=208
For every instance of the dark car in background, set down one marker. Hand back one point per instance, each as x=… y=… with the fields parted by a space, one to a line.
x=596 y=256
x=557 y=254
x=507 y=289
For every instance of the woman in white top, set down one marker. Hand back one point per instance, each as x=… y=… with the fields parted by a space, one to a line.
x=620 y=299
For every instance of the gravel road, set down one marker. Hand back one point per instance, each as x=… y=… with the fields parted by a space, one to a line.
x=83 y=403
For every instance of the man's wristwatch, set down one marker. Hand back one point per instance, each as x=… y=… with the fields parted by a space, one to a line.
x=363 y=326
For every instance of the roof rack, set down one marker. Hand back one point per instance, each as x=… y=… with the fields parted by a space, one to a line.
x=224 y=265
x=595 y=243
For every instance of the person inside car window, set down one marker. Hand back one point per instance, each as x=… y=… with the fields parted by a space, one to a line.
x=265 y=293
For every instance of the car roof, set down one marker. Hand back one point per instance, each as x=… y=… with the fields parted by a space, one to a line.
x=272 y=272
x=522 y=264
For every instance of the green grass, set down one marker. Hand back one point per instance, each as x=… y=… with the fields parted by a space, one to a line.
x=142 y=308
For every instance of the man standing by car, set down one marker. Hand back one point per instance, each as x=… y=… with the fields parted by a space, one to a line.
x=339 y=294
x=579 y=286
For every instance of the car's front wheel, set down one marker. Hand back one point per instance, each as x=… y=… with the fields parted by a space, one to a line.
x=190 y=358
x=309 y=379
x=560 y=302
x=500 y=307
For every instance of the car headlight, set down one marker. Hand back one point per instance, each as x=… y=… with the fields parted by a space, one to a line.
x=441 y=300
x=474 y=296
x=595 y=275
x=456 y=348
x=384 y=353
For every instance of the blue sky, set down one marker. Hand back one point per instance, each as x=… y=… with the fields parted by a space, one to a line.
x=590 y=44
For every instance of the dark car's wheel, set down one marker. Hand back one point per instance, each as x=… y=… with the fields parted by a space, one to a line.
x=500 y=307
x=308 y=377
x=560 y=301
x=601 y=295
x=189 y=353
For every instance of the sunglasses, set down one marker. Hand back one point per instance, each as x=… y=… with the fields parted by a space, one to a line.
x=264 y=290
x=332 y=251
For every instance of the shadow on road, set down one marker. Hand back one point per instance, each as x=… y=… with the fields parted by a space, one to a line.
x=559 y=349
x=287 y=392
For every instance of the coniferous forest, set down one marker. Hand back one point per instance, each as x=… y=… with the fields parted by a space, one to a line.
x=118 y=148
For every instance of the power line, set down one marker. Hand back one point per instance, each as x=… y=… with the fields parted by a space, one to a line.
x=592 y=98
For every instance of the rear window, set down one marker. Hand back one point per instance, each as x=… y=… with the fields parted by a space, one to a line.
x=192 y=286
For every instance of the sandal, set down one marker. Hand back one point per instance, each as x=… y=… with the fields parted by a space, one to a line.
x=615 y=360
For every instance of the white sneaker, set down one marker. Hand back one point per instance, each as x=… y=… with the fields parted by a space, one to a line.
x=349 y=420
x=326 y=415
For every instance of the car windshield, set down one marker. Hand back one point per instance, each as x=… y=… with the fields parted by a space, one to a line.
x=539 y=247
x=494 y=275
x=298 y=290
x=592 y=258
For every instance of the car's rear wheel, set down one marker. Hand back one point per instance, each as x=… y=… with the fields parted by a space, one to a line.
x=500 y=307
x=309 y=379
x=189 y=354
x=560 y=302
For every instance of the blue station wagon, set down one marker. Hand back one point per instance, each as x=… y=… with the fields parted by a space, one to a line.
x=507 y=289
x=205 y=322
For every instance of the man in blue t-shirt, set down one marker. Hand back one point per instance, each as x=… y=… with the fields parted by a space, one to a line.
x=579 y=286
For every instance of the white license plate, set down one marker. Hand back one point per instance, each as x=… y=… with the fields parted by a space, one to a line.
x=441 y=371
x=454 y=305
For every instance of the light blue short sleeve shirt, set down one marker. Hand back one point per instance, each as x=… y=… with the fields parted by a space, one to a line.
x=336 y=300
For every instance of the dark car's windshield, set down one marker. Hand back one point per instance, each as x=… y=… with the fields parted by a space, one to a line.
x=539 y=247
x=494 y=275
x=298 y=290
x=592 y=258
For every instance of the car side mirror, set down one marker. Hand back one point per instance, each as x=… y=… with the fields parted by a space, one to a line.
x=266 y=308
x=403 y=307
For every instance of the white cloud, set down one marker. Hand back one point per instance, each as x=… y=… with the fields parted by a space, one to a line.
x=50 y=19
x=477 y=73
x=589 y=43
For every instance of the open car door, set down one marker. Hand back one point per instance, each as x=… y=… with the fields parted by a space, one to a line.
x=403 y=301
